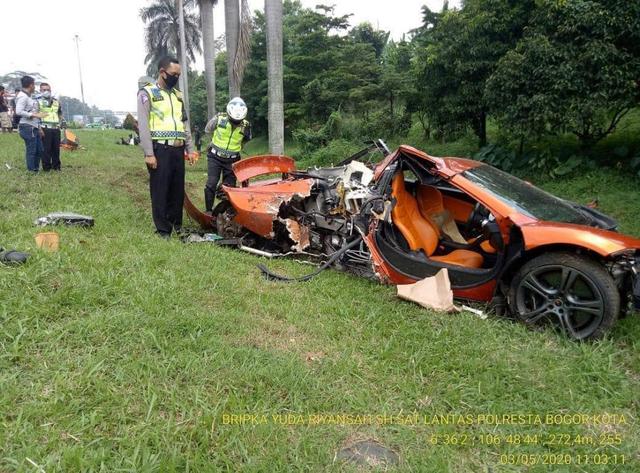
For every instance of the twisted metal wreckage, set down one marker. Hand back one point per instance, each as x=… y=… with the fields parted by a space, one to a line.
x=502 y=240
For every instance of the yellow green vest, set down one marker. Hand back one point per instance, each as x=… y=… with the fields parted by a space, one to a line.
x=226 y=137
x=165 y=119
x=52 y=118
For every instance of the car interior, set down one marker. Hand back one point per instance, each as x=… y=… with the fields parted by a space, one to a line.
x=435 y=224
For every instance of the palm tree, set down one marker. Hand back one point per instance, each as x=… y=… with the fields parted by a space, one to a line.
x=184 y=79
x=162 y=32
x=273 y=17
x=232 y=33
x=238 y=37
x=208 y=45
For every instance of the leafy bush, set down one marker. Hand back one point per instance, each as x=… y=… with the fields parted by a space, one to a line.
x=129 y=122
x=337 y=127
x=542 y=162
x=348 y=128
x=330 y=154
x=382 y=124
x=74 y=125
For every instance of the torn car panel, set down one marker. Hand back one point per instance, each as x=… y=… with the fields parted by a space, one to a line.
x=257 y=207
x=412 y=215
x=262 y=165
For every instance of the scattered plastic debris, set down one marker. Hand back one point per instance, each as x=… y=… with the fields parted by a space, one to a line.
x=49 y=241
x=477 y=312
x=65 y=218
x=433 y=292
x=12 y=257
x=204 y=238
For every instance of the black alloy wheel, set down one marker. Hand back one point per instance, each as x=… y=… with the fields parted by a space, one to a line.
x=569 y=291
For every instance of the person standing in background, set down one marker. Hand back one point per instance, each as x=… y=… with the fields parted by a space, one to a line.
x=50 y=106
x=15 y=118
x=5 y=121
x=29 y=126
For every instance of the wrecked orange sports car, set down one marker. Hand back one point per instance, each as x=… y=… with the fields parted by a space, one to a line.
x=533 y=256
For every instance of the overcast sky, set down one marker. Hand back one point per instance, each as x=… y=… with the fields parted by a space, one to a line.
x=112 y=41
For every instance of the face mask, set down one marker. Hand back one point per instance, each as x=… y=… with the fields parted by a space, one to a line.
x=46 y=94
x=171 y=81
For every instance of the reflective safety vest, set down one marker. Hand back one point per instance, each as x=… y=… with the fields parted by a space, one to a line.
x=52 y=118
x=165 y=119
x=226 y=137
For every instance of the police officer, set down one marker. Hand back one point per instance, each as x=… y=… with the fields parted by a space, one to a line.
x=50 y=125
x=164 y=137
x=230 y=131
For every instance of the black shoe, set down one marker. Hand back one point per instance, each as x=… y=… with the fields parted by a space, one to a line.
x=12 y=257
x=164 y=236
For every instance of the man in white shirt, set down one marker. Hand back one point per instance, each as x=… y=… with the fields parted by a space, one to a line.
x=28 y=110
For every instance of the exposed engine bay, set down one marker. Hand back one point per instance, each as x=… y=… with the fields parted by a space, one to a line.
x=317 y=224
x=411 y=215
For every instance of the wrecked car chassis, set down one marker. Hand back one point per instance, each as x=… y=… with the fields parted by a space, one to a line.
x=313 y=214
x=531 y=255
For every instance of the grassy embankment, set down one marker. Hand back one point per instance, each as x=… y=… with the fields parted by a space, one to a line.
x=122 y=352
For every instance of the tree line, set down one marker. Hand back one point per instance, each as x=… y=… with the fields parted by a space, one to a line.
x=534 y=68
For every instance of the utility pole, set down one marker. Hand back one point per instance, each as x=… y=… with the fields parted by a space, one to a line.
x=184 y=77
x=77 y=40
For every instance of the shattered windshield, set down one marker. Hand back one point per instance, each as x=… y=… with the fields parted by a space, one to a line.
x=525 y=197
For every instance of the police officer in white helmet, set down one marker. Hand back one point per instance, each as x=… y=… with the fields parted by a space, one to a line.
x=231 y=130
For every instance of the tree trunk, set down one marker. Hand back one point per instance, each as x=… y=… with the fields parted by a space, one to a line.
x=273 y=16
x=209 y=53
x=184 y=76
x=232 y=33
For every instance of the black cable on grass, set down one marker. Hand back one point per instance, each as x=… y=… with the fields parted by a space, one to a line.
x=334 y=256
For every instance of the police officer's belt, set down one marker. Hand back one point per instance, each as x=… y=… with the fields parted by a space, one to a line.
x=223 y=153
x=174 y=143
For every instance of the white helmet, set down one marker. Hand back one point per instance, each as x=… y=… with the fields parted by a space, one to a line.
x=237 y=109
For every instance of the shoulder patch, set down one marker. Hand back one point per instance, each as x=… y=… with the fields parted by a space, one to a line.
x=156 y=94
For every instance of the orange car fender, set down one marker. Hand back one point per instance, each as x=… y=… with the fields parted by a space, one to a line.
x=602 y=242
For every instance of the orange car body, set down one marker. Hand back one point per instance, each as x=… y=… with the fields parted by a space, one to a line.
x=537 y=234
x=257 y=202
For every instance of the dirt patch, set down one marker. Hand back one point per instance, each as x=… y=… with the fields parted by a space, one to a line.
x=136 y=184
x=279 y=336
x=367 y=453
x=276 y=335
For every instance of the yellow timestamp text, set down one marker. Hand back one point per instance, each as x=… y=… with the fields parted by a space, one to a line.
x=547 y=440
x=563 y=459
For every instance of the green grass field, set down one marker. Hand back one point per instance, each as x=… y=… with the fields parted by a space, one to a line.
x=123 y=352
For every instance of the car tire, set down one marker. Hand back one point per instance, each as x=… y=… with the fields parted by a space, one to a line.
x=570 y=291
